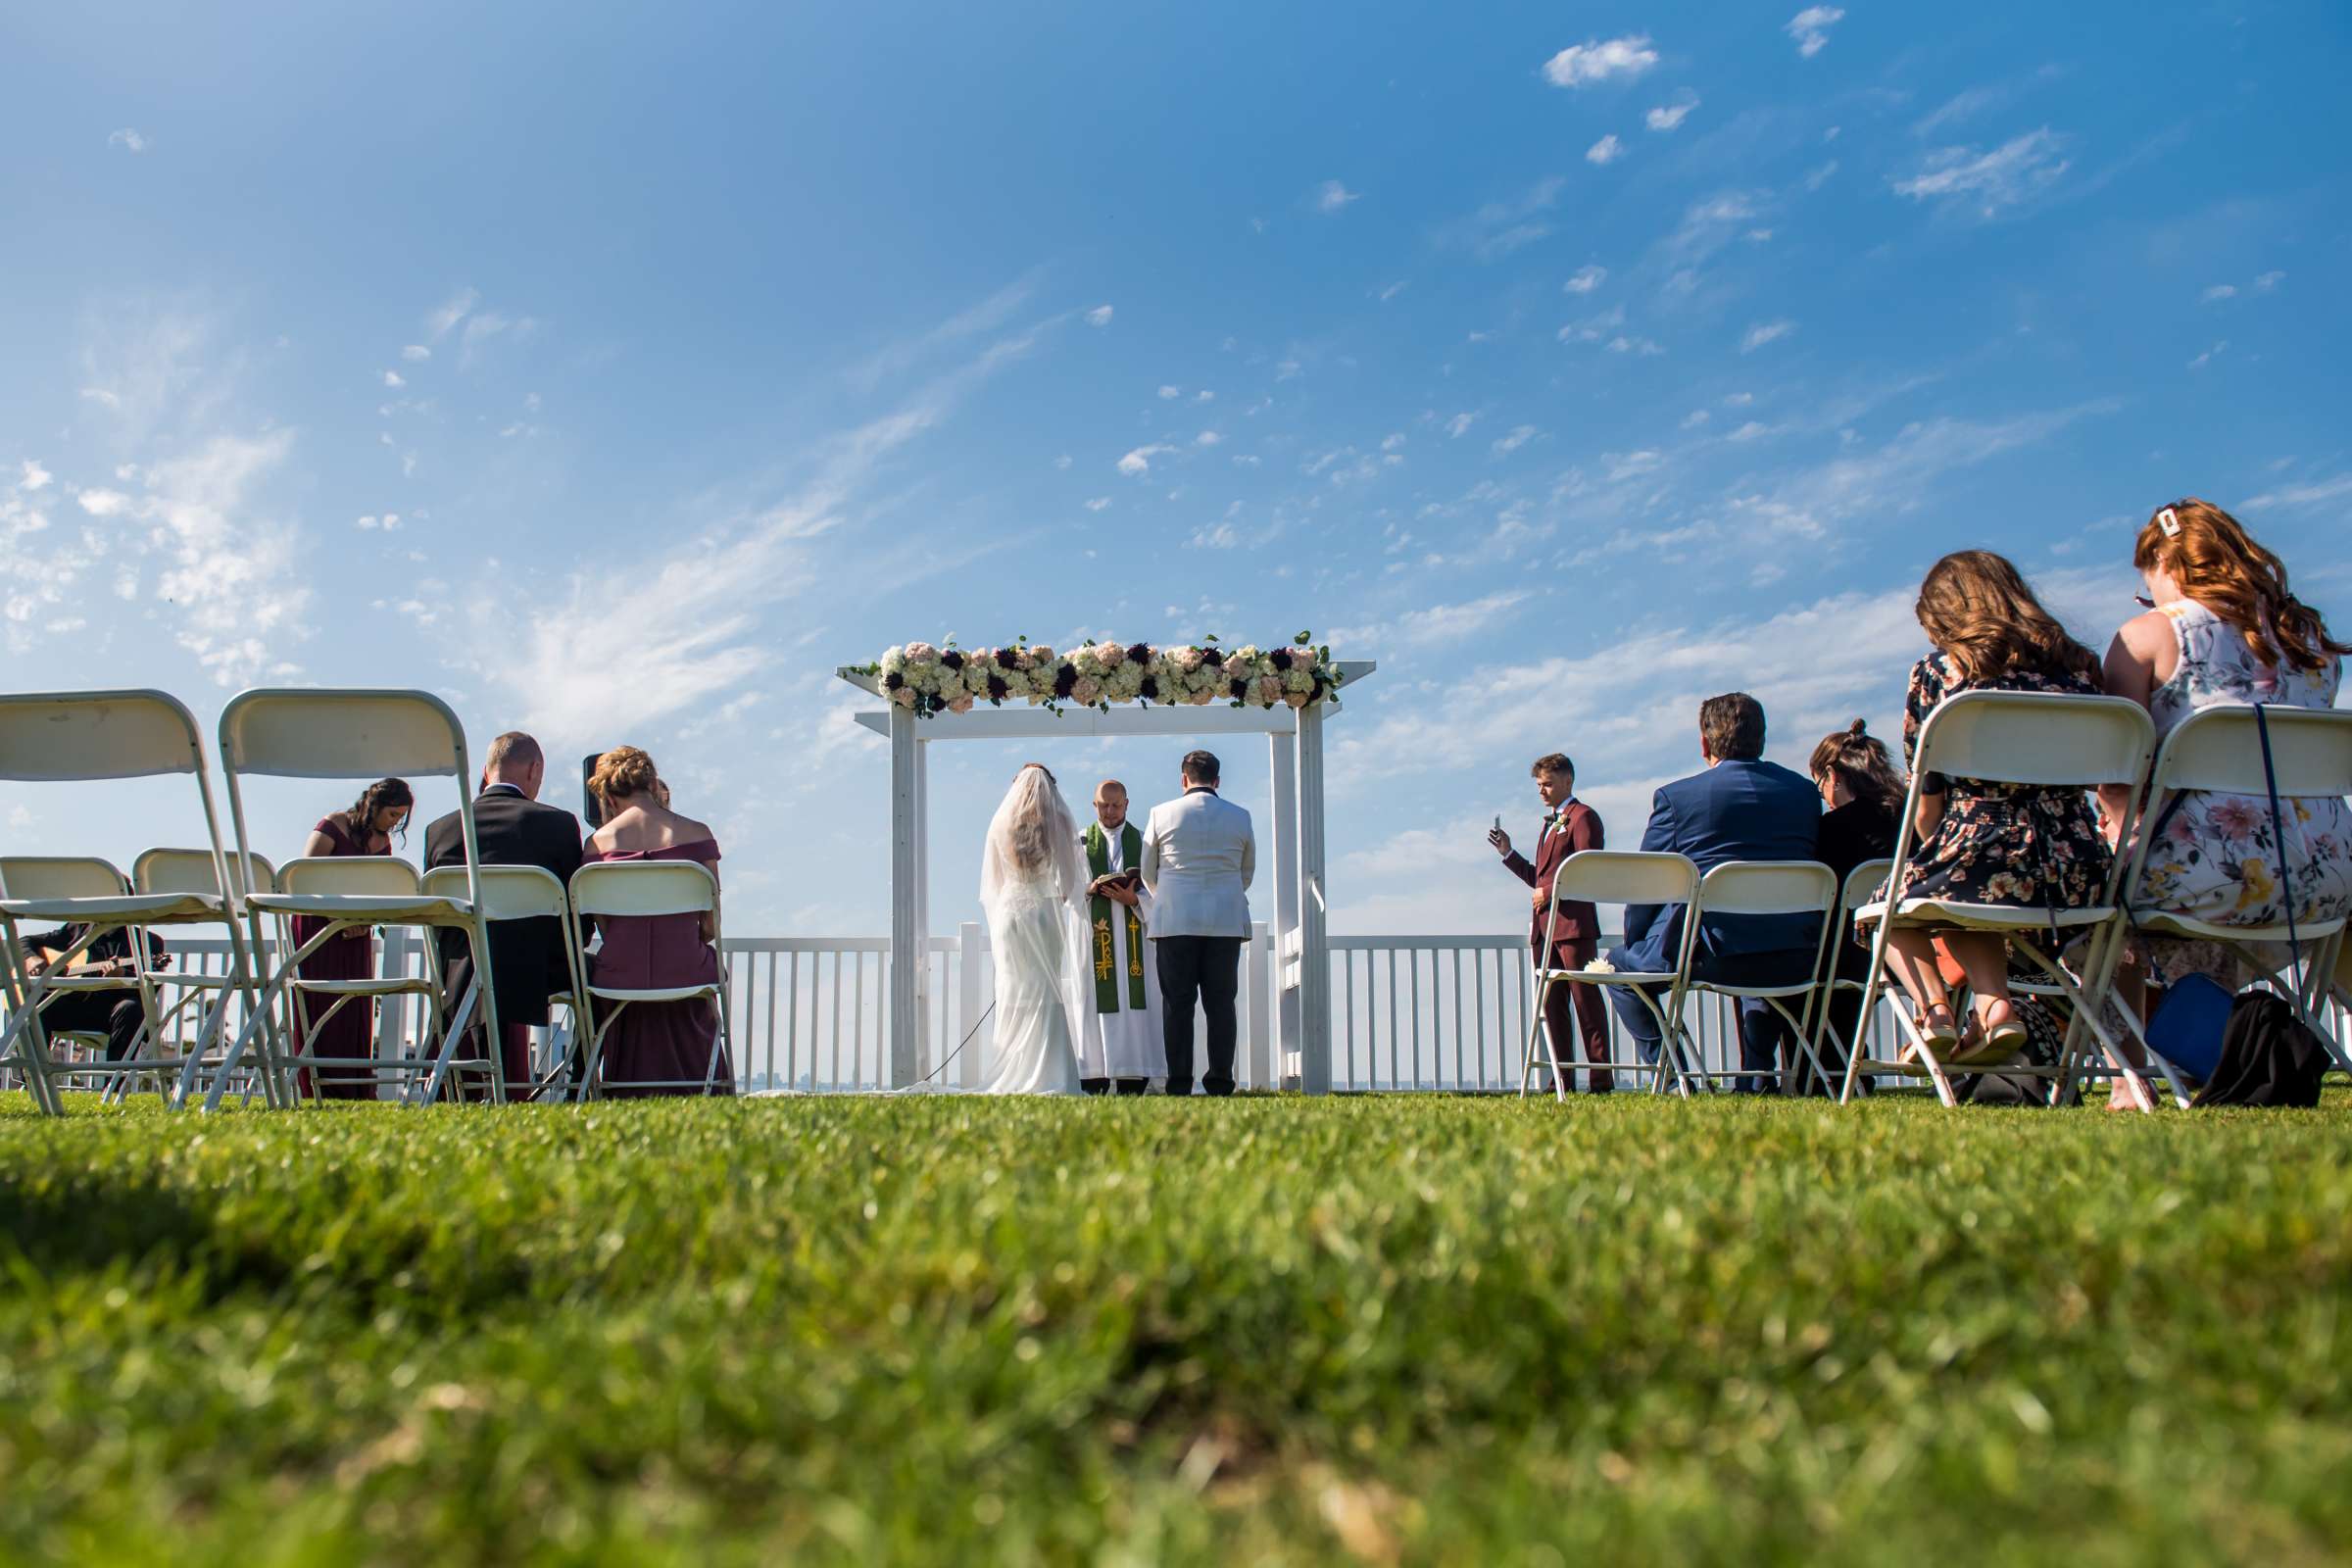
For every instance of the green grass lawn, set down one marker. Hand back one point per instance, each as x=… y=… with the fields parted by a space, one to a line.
x=1418 y=1330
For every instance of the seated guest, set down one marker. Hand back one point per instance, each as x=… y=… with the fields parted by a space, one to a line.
x=381 y=810
x=1569 y=825
x=1864 y=799
x=117 y=1015
x=1741 y=807
x=2224 y=630
x=1978 y=842
x=664 y=1042
x=526 y=956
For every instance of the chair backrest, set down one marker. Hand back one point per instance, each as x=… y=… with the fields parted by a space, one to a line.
x=643 y=887
x=60 y=876
x=1625 y=876
x=350 y=876
x=341 y=734
x=1863 y=881
x=66 y=736
x=2220 y=749
x=1768 y=887
x=2037 y=738
x=508 y=892
x=191 y=871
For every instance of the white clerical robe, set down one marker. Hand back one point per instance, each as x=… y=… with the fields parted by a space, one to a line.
x=1125 y=1043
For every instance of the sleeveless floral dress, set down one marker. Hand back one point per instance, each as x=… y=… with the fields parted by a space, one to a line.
x=2220 y=857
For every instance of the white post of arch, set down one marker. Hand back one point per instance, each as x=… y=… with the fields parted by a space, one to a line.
x=1294 y=847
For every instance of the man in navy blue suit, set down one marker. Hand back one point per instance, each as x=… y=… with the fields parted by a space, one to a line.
x=1741 y=808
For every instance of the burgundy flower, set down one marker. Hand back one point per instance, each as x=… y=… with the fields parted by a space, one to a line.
x=1236 y=689
x=951 y=658
x=1140 y=652
x=1150 y=690
x=1279 y=658
x=996 y=688
x=893 y=681
x=1065 y=676
x=1008 y=658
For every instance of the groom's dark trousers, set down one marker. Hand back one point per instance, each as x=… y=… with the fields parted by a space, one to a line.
x=1209 y=969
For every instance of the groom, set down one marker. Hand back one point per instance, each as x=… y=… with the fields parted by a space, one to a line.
x=1199 y=855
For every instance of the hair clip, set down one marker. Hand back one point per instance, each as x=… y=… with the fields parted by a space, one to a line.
x=2170 y=524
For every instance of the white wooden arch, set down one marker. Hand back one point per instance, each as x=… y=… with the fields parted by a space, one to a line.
x=1295 y=849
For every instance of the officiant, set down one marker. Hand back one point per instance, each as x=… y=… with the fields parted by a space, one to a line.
x=1117 y=1000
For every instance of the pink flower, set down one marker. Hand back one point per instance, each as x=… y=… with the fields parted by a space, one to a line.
x=2234 y=819
x=1236 y=666
x=920 y=653
x=960 y=705
x=1270 y=690
x=904 y=696
x=1087 y=690
x=1112 y=655
x=1041 y=657
x=1200 y=699
x=1190 y=660
x=1297 y=699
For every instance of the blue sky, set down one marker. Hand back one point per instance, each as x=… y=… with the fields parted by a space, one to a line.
x=620 y=374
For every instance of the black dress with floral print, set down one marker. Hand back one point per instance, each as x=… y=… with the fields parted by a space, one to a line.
x=2014 y=845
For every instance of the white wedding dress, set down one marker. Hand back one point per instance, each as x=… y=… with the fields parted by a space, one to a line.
x=1030 y=881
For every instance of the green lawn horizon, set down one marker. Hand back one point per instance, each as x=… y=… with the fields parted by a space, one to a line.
x=1384 y=1329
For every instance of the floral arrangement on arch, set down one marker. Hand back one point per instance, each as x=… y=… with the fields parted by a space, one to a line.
x=950 y=679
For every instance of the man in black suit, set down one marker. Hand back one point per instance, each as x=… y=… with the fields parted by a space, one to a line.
x=526 y=956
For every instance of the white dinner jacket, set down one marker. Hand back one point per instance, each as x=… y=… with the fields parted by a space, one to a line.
x=1198 y=856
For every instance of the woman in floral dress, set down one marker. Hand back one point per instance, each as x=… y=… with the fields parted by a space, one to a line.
x=1979 y=842
x=2224 y=632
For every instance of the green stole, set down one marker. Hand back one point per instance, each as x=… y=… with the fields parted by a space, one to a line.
x=1098 y=864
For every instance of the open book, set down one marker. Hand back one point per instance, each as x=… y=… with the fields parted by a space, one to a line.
x=1131 y=879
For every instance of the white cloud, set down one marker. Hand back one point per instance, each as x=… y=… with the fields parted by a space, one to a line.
x=1171 y=392
x=1204 y=395
x=1208 y=438
x=1669 y=117
x=1624 y=344
x=1459 y=424
x=1586 y=280
x=1695 y=419
x=437 y=322
x=1139 y=461
x=1764 y=332
x=1499 y=228
x=393 y=378
x=2301 y=494
x=1608 y=150
x=1393 y=442
x=1332 y=197
x=104 y=503
x=1810 y=28
x=1100 y=315
x=128 y=139
x=1433 y=626
x=1097 y=503
x=416 y=352
x=34 y=476
x=1063 y=462
x=1584 y=64
x=2207 y=358
x=2020 y=168
x=1214 y=536
x=1749 y=431
x=2268 y=281
x=1624 y=466
x=1815 y=179
x=2220 y=291
x=1737 y=400
x=1959 y=107
x=1519 y=436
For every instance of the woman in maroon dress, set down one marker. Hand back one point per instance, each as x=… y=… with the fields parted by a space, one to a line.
x=668 y=1044
x=381 y=810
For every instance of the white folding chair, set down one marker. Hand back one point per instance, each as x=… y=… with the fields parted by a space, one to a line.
x=181 y=985
x=531 y=893
x=2040 y=740
x=87 y=882
x=1861 y=883
x=1618 y=876
x=91 y=737
x=2221 y=750
x=344 y=735
x=1772 y=887
x=645 y=888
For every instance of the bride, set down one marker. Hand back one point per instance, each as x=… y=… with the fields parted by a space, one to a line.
x=1030 y=879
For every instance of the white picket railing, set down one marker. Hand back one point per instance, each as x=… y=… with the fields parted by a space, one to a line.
x=1446 y=1014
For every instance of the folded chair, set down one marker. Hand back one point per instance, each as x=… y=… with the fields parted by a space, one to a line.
x=344 y=735
x=182 y=986
x=530 y=892
x=91 y=737
x=644 y=888
x=1772 y=887
x=2222 y=749
x=87 y=882
x=2045 y=739
x=1618 y=876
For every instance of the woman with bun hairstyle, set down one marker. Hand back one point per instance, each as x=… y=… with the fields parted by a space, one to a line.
x=1862 y=800
x=655 y=1048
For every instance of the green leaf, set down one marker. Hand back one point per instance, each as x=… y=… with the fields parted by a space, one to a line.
x=1303 y=638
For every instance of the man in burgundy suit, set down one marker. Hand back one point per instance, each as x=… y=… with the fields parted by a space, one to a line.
x=1569 y=825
